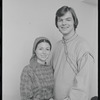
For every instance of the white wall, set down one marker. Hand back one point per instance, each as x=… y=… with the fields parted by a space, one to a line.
x=23 y=21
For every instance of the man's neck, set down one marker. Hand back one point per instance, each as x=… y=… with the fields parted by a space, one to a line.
x=68 y=36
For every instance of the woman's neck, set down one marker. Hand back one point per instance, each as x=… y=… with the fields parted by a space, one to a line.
x=40 y=62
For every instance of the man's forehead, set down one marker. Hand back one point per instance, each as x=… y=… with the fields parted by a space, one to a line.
x=66 y=15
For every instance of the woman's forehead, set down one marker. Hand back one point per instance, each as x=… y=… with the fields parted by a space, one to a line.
x=44 y=43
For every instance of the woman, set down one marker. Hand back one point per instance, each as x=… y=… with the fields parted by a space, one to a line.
x=37 y=78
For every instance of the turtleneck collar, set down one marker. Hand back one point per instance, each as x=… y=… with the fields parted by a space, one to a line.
x=43 y=64
x=69 y=39
x=34 y=63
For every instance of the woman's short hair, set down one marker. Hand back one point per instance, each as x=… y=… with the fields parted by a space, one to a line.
x=62 y=11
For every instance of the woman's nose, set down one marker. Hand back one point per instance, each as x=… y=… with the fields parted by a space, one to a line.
x=44 y=51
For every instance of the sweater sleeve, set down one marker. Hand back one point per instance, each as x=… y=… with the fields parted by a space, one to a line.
x=28 y=85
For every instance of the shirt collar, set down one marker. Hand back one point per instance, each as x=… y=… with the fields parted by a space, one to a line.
x=70 y=39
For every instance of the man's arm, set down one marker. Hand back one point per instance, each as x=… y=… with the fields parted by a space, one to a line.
x=81 y=83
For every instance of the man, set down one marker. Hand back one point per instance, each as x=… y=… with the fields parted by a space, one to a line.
x=72 y=60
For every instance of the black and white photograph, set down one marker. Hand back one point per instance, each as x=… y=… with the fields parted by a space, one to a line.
x=50 y=50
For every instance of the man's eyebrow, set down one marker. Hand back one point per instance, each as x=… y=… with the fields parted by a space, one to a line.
x=68 y=17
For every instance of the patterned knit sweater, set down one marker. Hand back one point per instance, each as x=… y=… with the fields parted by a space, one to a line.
x=37 y=82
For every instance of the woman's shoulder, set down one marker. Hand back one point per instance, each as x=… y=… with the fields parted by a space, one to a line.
x=27 y=69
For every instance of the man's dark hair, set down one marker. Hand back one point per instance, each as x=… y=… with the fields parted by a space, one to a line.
x=62 y=11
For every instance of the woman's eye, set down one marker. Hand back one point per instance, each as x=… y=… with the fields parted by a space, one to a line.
x=47 y=48
x=40 y=48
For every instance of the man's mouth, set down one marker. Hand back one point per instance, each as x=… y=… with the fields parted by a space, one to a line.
x=64 y=28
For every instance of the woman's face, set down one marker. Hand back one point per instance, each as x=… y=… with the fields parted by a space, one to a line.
x=42 y=52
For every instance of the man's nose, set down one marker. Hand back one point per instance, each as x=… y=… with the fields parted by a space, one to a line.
x=63 y=22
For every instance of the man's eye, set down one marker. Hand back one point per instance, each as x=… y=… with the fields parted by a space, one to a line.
x=68 y=19
x=59 y=20
x=48 y=49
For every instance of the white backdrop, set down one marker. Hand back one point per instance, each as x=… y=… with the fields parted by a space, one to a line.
x=23 y=21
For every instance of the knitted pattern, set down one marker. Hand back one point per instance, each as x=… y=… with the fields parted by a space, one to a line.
x=37 y=83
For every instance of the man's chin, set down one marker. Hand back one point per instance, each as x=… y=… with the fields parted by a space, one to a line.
x=64 y=32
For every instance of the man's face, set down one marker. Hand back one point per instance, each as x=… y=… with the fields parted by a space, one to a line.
x=66 y=23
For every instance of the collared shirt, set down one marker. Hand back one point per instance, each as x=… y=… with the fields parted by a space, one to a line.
x=73 y=65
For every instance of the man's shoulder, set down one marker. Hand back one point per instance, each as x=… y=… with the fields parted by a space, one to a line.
x=82 y=42
x=58 y=43
x=83 y=45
